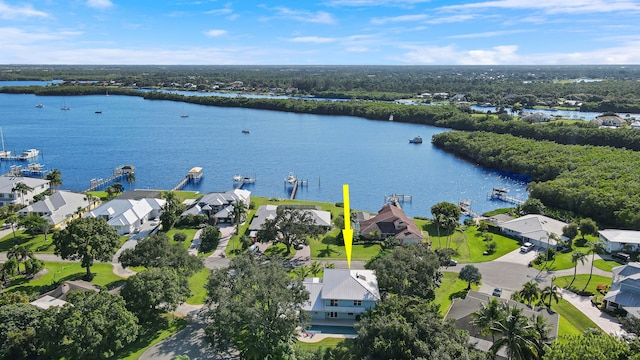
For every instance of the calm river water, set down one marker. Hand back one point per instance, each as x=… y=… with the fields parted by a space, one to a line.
x=374 y=158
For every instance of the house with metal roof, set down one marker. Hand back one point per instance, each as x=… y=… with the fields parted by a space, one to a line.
x=58 y=296
x=9 y=196
x=390 y=221
x=625 y=289
x=536 y=229
x=341 y=297
x=219 y=204
x=127 y=215
x=268 y=212
x=620 y=240
x=59 y=207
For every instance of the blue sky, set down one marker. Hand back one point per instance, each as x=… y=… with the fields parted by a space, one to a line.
x=320 y=32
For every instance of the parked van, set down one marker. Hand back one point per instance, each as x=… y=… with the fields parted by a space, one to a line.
x=526 y=247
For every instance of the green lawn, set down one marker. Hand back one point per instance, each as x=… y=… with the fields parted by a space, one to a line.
x=581 y=280
x=159 y=332
x=469 y=243
x=324 y=343
x=563 y=261
x=35 y=243
x=450 y=287
x=606 y=265
x=572 y=320
x=63 y=271
x=190 y=232
x=196 y=285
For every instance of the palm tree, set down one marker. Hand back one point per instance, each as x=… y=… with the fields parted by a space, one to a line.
x=552 y=292
x=486 y=316
x=316 y=268
x=530 y=292
x=596 y=247
x=12 y=220
x=22 y=189
x=541 y=331
x=55 y=179
x=577 y=257
x=516 y=335
x=130 y=178
x=20 y=253
x=239 y=210
x=302 y=273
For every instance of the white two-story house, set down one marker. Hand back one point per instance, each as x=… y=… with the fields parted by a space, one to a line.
x=9 y=195
x=341 y=297
x=625 y=289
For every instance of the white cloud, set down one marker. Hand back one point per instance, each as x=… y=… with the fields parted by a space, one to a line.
x=553 y=6
x=99 y=4
x=356 y=49
x=8 y=12
x=320 y=17
x=451 y=19
x=627 y=53
x=395 y=3
x=486 y=34
x=10 y=36
x=402 y=18
x=313 y=39
x=215 y=32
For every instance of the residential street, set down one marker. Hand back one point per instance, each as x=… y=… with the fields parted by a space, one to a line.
x=508 y=272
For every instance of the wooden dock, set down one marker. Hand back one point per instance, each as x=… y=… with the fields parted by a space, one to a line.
x=239 y=181
x=465 y=206
x=501 y=194
x=120 y=172
x=194 y=175
x=294 y=191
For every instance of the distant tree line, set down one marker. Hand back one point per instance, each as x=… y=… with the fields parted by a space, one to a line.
x=601 y=183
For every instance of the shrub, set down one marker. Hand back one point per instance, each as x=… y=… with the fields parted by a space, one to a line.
x=179 y=237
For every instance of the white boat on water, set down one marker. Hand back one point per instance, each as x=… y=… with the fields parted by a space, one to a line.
x=416 y=140
x=245 y=131
x=29 y=154
x=39 y=106
x=5 y=153
x=290 y=179
x=237 y=177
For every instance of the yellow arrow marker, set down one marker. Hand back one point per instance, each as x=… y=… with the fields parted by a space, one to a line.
x=347 y=233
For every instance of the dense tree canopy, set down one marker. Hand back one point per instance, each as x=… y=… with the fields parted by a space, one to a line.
x=95 y=327
x=411 y=270
x=591 y=346
x=596 y=182
x=157 y=251
x=87 y=240
x=149 y=292
x=410 y=328
x=19 y=324
x=256 y=308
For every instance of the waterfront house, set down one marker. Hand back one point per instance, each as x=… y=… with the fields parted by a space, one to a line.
x=461 y=312
x=320 y=218
x=390 y=221
x=625 y=290
x=341 y=297
x=127 y=215
x=219 y=204
x=620 y=240
x=59 y=207
x=635 y=124
x=609 y=121
x=8 y=194
x=537 y=229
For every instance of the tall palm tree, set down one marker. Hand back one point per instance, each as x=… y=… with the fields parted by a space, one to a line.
x=130 y=178
x=20 y=253
x=595 y=247
x=486 y=316
x=12 y=220
x=516 y=335
x=530 y=292
x=239 y=211
x=552 y=292
x=541 y=331
x=439 y=219
x=22 y=189
x=576 y=257
x=316 y=268
x=55 y=179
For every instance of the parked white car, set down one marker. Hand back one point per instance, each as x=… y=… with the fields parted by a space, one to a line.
x=526 y=247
